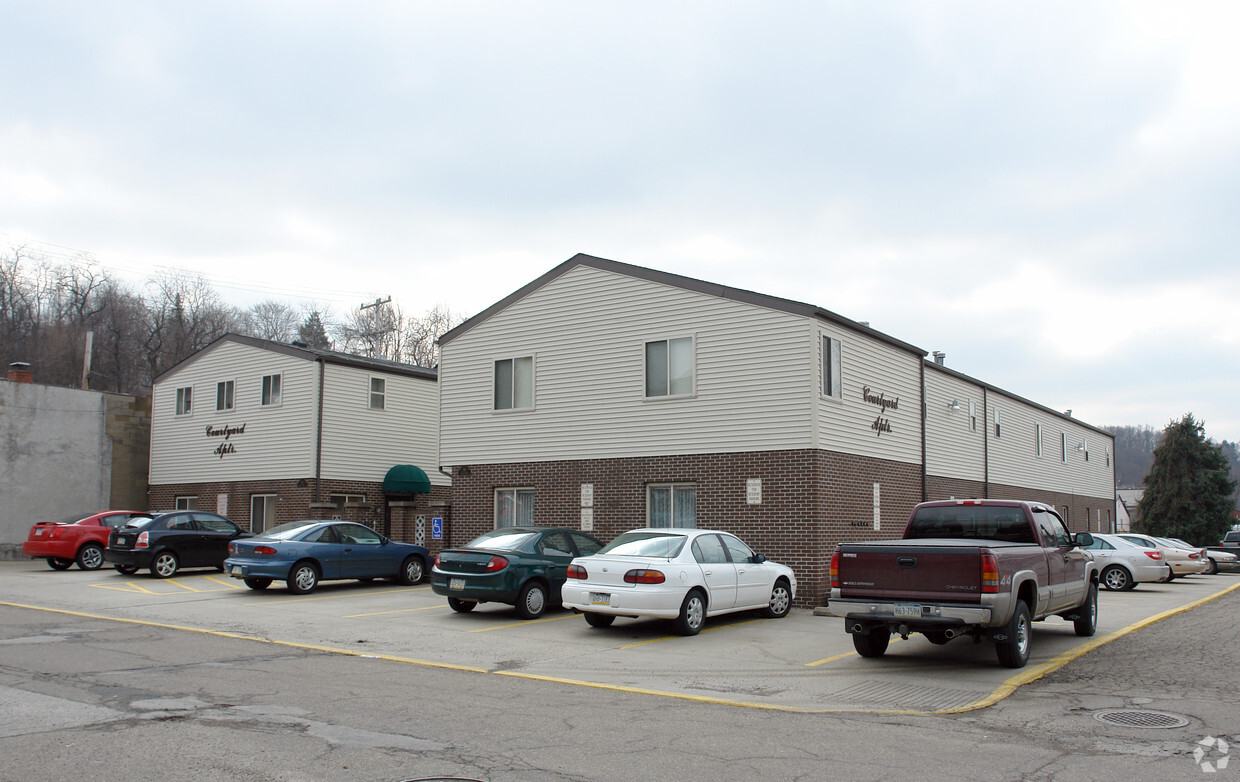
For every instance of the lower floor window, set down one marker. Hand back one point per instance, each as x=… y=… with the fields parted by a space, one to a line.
x=341 y=500
x=262 y=512
x=672 y=505
x=187 y=503
x=514 y=507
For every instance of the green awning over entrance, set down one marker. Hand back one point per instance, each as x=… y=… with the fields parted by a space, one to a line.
x=406 y=479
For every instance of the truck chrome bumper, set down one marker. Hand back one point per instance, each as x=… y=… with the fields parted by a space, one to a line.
x=927 y=615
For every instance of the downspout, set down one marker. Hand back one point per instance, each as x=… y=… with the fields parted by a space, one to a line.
x=318 y=435
x=925 y=410
x=985 y=444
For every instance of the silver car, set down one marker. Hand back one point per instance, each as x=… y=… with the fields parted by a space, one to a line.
x=1216 y=561
x=1123 y=564
x=1181 y=561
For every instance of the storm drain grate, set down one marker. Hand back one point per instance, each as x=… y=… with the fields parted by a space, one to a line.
x=1140 y=718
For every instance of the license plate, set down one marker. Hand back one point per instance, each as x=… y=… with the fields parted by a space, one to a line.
x=236 y=571
x=120 y=541
x=38 y=532
x=600 y=599
x=914 y=610
x=456 y=583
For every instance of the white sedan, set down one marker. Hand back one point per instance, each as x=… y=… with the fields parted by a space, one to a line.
x=681 y=574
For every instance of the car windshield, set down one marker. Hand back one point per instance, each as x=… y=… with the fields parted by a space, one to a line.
x=972 y=521
x=288 y=530
x=663 y=545
x=503 y=540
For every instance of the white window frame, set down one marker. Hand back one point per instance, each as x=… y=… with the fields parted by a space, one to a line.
x=998 y=425
x=378 y=399
x=516 y=494
x=341 y=499
x=1039 y=443
x=520 y=393
x=269 y=502
x=667 y=392
x=1063 y=446
x=271 y=392
x=225 y=395
x=673 y=488
x=972 y=416
x=184 y=401
x=832 y=355
x=186 y=502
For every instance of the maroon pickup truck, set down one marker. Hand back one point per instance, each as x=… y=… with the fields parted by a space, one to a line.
x=977 y=568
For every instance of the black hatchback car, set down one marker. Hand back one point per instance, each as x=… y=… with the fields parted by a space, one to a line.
x=167 y=542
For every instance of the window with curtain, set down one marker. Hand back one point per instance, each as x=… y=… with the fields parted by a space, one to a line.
x=514 y=507
x=672 y=505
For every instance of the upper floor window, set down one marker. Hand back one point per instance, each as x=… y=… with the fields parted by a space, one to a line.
x=998 y=425
x=271 y=390
x=669 y=367
x=514 y=383
x=1038 y=445
x=1063 y=445
x=185 y=400
x=973 y=416
x=831 y=360
x=224 y=395
x=378 y=393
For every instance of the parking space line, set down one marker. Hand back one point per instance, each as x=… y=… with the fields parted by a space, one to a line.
x=841 y=656
x=228 y=583
x=397 y=611
x=184 y=586
x=283 y=601
x=704 y=630
x=521 y=623
x=129 y=587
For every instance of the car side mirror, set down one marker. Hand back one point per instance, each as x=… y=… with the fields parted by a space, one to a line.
x=1083 y=539
x=758 y=559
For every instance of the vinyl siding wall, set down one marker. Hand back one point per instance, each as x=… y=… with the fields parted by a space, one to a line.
x=1013 y=454
x=953 y=449
x=278 y=441
x=363 y=444
x=754 y=378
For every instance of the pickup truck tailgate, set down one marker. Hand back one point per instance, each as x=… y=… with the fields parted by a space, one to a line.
x=942 y=573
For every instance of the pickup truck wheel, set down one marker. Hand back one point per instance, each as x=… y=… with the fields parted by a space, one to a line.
x=1014 y=652
x=872 y=643
x=1086 y=622
x=1116 y=578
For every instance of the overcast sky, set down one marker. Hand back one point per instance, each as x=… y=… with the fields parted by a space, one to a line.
x=1048 y=192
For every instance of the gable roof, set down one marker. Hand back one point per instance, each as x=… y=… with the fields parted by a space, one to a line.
x=309 y=354
x=685 y=283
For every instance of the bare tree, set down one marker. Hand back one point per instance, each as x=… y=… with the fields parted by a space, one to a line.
x=271 y=319
x=422 y=335
x=184 y=314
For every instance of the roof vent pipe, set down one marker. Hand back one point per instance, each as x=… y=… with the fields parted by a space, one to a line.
x=939 y=356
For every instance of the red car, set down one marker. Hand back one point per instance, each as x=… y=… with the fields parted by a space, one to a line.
x=80 y=539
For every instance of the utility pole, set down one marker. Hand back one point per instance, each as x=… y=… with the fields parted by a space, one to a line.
x=376 y=334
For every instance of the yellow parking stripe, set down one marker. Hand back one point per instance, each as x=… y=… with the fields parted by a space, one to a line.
x=129 y=587
x=283 y=601
x=397 y=611
x=227 y=583
x=521 y=624
x=674 y=637
x=841 y=656
x=183 y=586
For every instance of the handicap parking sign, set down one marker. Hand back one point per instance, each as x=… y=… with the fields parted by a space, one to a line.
x=436 y=529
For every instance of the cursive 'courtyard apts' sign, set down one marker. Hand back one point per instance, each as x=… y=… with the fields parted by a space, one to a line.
x=227 y=432
x=881 y=423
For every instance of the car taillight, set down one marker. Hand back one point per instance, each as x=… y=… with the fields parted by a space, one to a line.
x=835 y=570
x=496 y=563
x=643 y=576
x=436 y=562
x=143 y=540
x=1154 y=555
x=56 y=532
x=1194 y=555
x=968 y=502
x=264 y=550
x=990 y=573
x=577 y=571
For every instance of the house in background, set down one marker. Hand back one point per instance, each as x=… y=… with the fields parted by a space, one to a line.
x=604 y=396
x=265 y=432
x=68 y=452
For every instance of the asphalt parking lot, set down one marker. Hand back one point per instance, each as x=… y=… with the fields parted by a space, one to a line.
x=802 y=663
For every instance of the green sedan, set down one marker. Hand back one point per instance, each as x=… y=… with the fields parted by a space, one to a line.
x=521 y=566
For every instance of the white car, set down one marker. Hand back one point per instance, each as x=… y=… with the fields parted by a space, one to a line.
x=1124 y=564
x=685 y=575
x=1181 y=561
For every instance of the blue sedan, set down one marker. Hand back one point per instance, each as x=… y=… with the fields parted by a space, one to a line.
x=303 y=553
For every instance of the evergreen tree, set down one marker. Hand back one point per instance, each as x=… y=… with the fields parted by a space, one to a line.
x=312 y=332
x=1188 y=493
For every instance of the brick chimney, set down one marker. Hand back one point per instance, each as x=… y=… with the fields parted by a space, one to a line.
x=19 y=372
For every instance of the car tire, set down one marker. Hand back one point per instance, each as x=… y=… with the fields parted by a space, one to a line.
x=532 y=600
x=125 y=570
x=872 y=643
x=412 y=570
x=461 y=606
x=1117 y=579
x=90 y=557
x=303 y=578
x=781 y=601
x=57 y=563
x=595 y=619
x=1014 y=652
x=692 y=613
x=1211 y=568
x=165 y=565
x=258 y=583
x=1086 y=622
